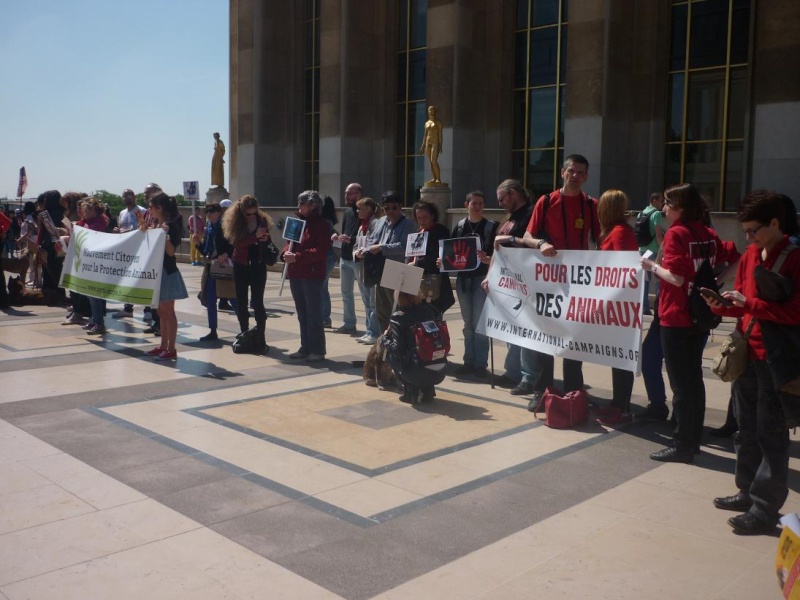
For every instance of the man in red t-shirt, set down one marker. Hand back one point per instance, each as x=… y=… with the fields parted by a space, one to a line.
x=565 y=219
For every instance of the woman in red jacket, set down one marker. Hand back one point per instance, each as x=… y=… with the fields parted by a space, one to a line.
x=306 y=273
x=686 y=243
x=616 y=234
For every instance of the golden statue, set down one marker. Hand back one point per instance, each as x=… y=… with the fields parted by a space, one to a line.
x=432 y=146
x=217 y=164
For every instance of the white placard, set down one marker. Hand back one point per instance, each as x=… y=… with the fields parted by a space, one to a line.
x=400 y=276
x=416 y=244
x=191 y=190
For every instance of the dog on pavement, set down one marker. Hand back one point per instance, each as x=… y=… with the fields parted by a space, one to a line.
x=377 y=370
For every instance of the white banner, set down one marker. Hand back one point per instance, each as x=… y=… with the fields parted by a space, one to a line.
x=580 y=304
x=125 y=267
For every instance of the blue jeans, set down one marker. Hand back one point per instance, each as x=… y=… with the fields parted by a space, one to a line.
x=652 y=360
x=528 y=366
x=307 y=294
x=512 y=366
x=348 y=273
x=330 y=262
x=368 y=298
x=471 y=299
x=98 y=308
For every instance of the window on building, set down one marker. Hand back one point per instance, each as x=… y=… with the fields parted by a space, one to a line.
x=411 y=109
x=311 y=102
x=708 y=97
x=540 y=46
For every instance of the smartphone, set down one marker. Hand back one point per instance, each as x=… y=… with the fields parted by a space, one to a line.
x=648 y=254
x=712 y=295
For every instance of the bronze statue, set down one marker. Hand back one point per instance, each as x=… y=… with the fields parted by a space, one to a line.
x=217 y=164
x=432 y=146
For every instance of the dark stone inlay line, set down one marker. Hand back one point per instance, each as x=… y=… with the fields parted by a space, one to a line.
x=331 y=509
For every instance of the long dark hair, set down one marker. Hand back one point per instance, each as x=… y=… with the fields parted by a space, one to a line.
x=329 y=210
x=686 y=197
x=52 y=204
x=169 y=208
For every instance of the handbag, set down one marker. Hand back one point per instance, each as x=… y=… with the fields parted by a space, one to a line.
x=731 y=361
x=271 y=253
x=224 y=272
x=564 y=411
x=373 y=267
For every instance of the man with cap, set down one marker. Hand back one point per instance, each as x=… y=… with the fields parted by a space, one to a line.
x=389 y=239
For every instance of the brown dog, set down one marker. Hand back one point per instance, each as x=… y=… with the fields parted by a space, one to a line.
x=377 y=370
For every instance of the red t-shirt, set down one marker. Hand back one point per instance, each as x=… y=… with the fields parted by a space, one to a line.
x=787 y=313
x=685 y=247
x=621 y=237
x=568 y=221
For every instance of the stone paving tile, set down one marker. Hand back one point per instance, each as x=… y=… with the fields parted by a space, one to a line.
x=222 y=500
x=167 y=476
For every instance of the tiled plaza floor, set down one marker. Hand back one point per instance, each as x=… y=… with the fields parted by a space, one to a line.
x=237 y=476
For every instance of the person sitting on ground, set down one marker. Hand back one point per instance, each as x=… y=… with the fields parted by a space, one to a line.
x=418 y=381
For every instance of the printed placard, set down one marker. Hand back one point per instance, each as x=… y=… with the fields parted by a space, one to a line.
x=293 y=229
x=459 y=254
x=416 y=244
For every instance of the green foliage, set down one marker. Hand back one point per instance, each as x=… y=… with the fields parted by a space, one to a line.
x=113 y=201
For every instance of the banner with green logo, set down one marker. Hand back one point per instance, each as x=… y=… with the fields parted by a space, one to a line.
x=125 y=267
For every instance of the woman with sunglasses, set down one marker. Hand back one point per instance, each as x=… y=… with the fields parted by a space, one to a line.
x=164 y=210
x=247 y=228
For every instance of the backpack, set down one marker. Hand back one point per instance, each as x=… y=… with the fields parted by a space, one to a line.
x=642 y=228
x=586 y=199
x=431 y=342
x=702 y=316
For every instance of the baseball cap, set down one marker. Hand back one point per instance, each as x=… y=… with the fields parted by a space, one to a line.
x=225 y=203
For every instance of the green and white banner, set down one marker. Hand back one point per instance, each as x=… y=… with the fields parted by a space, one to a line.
x=125 y=267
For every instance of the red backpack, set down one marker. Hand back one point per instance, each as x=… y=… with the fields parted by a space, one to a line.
x=432 y=341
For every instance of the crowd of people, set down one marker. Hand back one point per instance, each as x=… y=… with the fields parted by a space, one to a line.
x=674 y=237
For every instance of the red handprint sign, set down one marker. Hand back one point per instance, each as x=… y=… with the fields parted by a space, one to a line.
x=459 y=254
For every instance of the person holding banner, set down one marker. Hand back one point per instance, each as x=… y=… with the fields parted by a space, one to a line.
x=616 y=234
x=471 y=296
x=94 y=218
x=565 y=219
x=686 y=243
x=247 y=228
x=366 y=209
x=516 y=201
x=164 y=210
x=306 y=272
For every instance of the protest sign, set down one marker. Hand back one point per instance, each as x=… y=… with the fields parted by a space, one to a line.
x=416 y=244
x=124 y=267
x=293 y=229
x=583 y=305
x=460 y=254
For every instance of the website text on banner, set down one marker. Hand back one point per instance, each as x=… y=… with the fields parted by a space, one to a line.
x=125 y=267
x=579 y=304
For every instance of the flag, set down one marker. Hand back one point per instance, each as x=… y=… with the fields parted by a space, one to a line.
x=23 y=183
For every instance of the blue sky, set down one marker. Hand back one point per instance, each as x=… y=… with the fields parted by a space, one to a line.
x=109 y=94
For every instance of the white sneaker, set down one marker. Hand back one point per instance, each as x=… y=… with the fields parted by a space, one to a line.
x=367 y=339
x=121 y=314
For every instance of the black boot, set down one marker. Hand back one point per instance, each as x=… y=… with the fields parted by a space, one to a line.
x=261 y=338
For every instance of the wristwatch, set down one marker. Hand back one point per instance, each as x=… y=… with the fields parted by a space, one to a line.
x=539 y=244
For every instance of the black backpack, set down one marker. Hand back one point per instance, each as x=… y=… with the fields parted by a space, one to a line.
x=702 y=316
x=644 y=236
